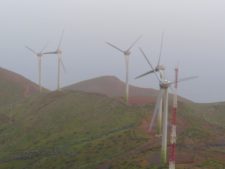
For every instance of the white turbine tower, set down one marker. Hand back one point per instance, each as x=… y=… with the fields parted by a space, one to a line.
x=126 y=53
x=39 y=56
x=163 y=95
x=58 y=52
x=161 y=70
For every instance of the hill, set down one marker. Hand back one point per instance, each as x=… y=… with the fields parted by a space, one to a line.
x=214 y=113
x=66 y=130
x=14 y=87
x=73 y=129
x=111 y=86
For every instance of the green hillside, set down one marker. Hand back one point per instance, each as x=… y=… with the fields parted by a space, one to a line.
x=78 y=130
x=215 y=114
x=64 y=130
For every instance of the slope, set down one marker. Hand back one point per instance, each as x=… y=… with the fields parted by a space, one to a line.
x=72 y=129
x=65 y=130
x=215 y=113
x=14 y=87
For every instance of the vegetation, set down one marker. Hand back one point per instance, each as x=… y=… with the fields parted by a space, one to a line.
x=79 y=130
x=68 y=129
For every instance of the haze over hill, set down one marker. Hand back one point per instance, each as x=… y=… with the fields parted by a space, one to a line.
x=194 y=36
x=89 y=125
x=14 y=86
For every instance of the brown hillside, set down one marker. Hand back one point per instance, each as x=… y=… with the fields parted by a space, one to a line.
x=14 y=87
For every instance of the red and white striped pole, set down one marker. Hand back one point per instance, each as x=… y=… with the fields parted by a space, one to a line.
x=172 y=158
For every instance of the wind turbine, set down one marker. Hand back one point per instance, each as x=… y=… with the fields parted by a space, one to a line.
x=39 y=56
x=126 y=53
x=161 y=70
x=58 y=52
x=163 y=95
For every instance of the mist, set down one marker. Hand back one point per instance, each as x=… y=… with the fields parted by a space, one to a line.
x=194 y=40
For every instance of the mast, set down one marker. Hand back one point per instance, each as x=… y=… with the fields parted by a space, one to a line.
x=172 y=158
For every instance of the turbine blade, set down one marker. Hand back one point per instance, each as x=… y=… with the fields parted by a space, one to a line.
x=115 y=47
x=63 y=65
x=60 y=40
x=184 y=79
x=49 y=53
x=161 y=48
x=31 y=50
x=156 y=110
x=132 y=45
x=46 y=45
x=144 y=74
x=150 y=64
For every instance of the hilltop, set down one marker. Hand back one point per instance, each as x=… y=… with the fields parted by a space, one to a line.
x=14 y=87
x=111 y=86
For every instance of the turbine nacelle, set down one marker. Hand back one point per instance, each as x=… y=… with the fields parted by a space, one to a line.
x=39 y=55
x=165 y=84
x=127 y=53
x=160 y=68
x=59 y=51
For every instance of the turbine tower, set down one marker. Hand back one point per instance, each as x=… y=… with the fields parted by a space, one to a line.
x=172 y=160
x=161 y=70
x=39 y=56
x=58 y=52
x=163 y=95
x=126 y=53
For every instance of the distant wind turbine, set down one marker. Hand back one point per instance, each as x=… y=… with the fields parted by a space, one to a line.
x=161 y=69
x=58 y=52
x=126 y=53
x=39 y=56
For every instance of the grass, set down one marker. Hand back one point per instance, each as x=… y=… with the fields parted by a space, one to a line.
x=12 y=92
x=67 y=129
x=89 y=131
x=212 y=164
x=215 y=114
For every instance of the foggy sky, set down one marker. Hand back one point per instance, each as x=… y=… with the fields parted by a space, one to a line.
x=194 y=39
